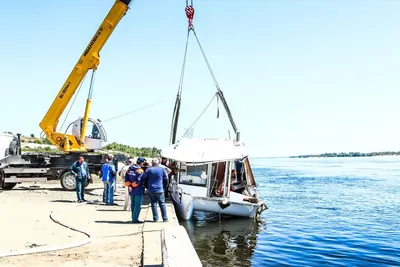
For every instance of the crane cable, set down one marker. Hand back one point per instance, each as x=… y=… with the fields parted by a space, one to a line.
x=121 y=115
x=133 y=111
x=201 y=114
x=190 y=14
x=189 y=10
x=73 y=101
x=109 y=119
x=69 y=110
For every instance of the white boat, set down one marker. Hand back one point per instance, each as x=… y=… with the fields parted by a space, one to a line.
x=212 y=175
x=5 y=141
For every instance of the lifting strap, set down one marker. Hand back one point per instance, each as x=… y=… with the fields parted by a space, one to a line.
x=189 y=10
x=190 y=14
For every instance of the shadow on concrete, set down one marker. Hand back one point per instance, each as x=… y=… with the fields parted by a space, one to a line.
x=95 y=202
x=150 y=221
x=64 y=201
x=109 y=210
x=115 y=222
x=76 y=202
x=56 y=189
x=37 y=188
x=90 y=193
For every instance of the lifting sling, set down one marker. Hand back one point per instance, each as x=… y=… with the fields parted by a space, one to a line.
x=189 y=10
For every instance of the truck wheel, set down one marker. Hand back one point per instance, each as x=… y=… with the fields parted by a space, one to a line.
x=5 y=186
x=8 y=186
x=67 y=181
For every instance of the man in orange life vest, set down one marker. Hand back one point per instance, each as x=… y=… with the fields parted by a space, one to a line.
x=133 y=180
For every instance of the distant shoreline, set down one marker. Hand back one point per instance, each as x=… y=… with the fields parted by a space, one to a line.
x=350 y=154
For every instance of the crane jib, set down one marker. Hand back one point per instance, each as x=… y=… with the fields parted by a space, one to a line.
x=93 y=41
x=88 y=60
x=64 y=90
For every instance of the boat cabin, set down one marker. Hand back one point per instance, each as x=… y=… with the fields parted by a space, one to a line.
x=212 y=175
x=233 y=179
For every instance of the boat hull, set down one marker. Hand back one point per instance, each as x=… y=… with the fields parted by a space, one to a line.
x=185 y=205
x=227 y=207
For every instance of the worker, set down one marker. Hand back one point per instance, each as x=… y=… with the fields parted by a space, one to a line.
x=164 y=165
x=80 y=171
x=104 y=189
x=95 y=131
x=164 y=161
x=122 y=172
x=153 y=179
x=146 y=164
x=133 y=181
x=220 y=189
x=233 y=176
x=108 y=177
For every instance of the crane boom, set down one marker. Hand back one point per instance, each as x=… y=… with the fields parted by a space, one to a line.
x=89 y=60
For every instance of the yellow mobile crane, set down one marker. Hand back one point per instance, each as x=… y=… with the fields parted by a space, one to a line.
x=16 y=168
x=89 y=60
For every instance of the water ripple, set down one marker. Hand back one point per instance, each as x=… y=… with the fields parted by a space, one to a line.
x=336 y=212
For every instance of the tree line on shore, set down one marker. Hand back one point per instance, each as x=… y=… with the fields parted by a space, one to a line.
x=350 y=154
x=147 y=152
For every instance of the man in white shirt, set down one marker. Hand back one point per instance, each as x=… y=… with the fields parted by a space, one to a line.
x=122 y=172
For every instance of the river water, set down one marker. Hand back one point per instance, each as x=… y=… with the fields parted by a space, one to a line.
x=322 y=211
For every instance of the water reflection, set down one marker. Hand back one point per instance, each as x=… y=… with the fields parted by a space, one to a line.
x=230 y=241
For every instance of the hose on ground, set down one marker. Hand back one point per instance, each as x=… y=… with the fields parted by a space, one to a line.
x=50 y=248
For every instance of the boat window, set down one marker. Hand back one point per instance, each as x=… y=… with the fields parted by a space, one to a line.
x=195 y=175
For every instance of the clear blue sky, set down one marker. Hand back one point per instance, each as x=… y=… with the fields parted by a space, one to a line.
x=300 y=76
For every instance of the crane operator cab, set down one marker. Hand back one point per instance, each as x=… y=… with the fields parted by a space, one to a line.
x=96 y=134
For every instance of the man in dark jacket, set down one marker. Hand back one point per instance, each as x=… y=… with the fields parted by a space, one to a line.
x=164 y=164
x=154 y=178
x=133 y=180
x=80 y=171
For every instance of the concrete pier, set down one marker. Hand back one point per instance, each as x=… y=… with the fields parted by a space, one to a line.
x=116 y=241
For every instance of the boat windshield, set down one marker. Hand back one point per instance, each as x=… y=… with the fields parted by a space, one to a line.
x=195 y=175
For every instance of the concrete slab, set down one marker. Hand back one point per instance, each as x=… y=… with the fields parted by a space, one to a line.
x=152 y=251
x=177 y=248
x=152 y=254
x=116 y=241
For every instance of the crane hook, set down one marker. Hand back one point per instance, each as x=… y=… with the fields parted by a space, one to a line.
x=189 y=10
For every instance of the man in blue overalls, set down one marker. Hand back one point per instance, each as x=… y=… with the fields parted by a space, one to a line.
x=80 y=171
x=108 y=172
